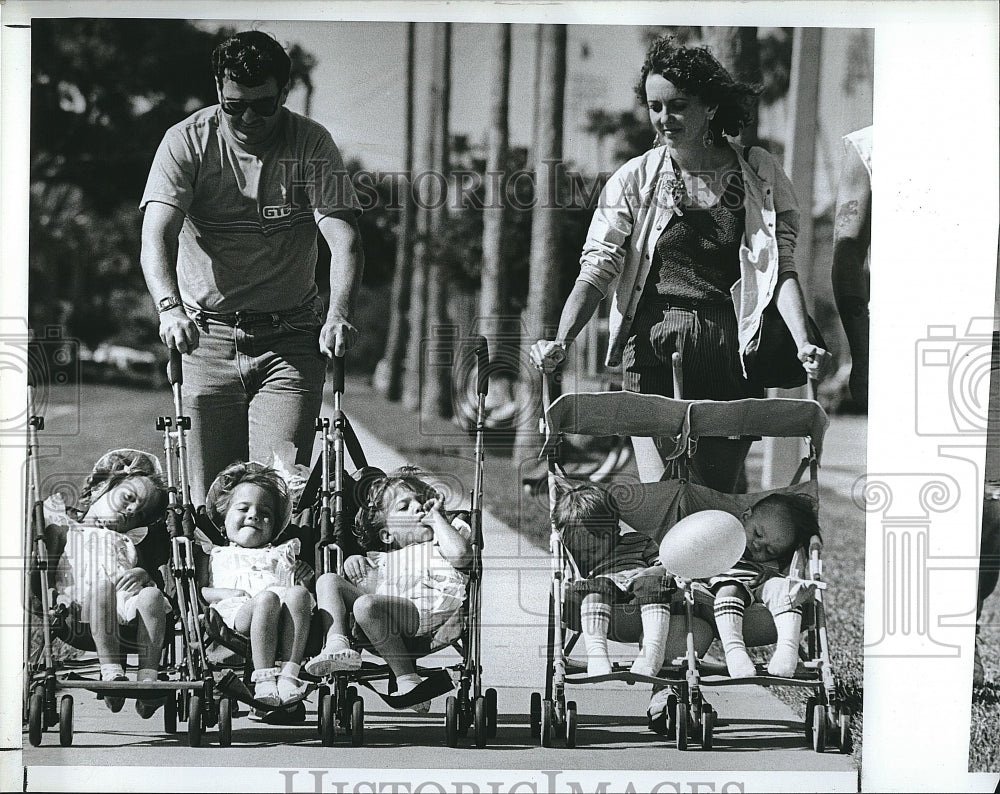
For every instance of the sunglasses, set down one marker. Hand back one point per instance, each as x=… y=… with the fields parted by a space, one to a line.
x=267 y=106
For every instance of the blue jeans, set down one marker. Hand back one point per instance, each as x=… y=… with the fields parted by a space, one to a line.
x=251 y=386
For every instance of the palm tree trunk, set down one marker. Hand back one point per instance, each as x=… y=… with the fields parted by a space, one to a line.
x=437 y=380
x=389 y=372
x=494 y=319
x=541 y=314
x=413 y=377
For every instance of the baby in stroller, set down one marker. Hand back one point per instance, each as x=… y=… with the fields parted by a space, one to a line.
x=617 y=568
x=106 y=556
x=257 y=588
x=775 y=527
x=408 y=585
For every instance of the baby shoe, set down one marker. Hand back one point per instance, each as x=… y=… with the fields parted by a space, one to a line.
x=115 y=702
x=290 y=689
x=337 y=655
x=265 y=686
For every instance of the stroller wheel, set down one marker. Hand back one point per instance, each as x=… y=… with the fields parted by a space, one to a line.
x=66 y=721
x=671 y=712
x=819 y=728
x=707 y=726
x=225 y=722
x=548 y=720
x=357 y=722
x=323 y=692
x=36 y=705
x=846 y=741
x=811 y=702
x=451 y=718
x=327 y=719
x=170 y=714
x=571 y=724
x=535 y=716
x=480 y=720
x=491 y=713
x=681 y=723
x=194 y=721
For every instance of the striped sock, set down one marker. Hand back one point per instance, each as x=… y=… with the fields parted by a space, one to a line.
x=595 y=620
x=655 y=620
x=729 y=620
x=785 y=659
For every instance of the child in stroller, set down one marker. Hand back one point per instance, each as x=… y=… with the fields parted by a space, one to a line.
x=106 y=556
x=617 y=568
x=775 y=527
x=255 y=587
x=408 y=585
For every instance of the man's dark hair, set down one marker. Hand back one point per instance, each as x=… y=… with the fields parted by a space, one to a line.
x=250 y=58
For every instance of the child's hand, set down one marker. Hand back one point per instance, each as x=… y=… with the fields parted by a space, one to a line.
x=431 y=511
x=356 y=567
x=133 y=580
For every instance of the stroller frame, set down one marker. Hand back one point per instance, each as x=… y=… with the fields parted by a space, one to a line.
x=689 y=715
x=183 y=685
x=339 y=702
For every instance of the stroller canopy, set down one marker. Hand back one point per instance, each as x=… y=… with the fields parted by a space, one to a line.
x=623 y=413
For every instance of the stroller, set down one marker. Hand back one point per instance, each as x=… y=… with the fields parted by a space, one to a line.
x=652 y=508
x=338 y=496
x=184 y=683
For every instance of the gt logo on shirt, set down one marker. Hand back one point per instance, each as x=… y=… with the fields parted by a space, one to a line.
x=276 y=212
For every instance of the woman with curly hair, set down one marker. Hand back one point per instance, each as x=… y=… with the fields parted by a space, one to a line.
x=692 y=239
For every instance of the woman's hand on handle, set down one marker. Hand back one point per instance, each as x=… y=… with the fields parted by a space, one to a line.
x=815 y=361
x=548 y=355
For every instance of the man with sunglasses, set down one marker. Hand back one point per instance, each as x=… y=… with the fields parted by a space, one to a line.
x=234 y=198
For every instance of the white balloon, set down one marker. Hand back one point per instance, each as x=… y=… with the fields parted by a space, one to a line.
x=703 y=544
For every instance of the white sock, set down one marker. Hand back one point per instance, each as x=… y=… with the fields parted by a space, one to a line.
x=291 y=669
x=655 y=620
x=146 y=674
x=729 y=621
x=109 y=672
x=785 y=659
x=595 y=620
x=406 y=682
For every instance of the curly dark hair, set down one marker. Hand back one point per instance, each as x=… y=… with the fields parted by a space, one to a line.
x=220 y=493
x=118 y=465
x=370 y=520
x=695 y=71
x=249 y=58
x=801 y=511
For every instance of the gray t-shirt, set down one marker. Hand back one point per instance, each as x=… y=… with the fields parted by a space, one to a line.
x=248 y=242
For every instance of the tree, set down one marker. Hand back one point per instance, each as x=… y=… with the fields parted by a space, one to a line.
x=543 y=283
x=437 y=379
x=493 y=307
x=389 y=373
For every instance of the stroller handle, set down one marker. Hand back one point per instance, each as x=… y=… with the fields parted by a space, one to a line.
x=338 y=374
x=482 y=366
x=175 y=372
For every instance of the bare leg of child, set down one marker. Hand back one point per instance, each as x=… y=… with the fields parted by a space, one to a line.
x=386 y=621
x=595 y=620
x=100 y=610
x=151 y=615
x=259 y=619
x=296 y=609
x=335 y=596
x=730 y=601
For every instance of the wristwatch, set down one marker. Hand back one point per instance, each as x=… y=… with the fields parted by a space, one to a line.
x=168 y=303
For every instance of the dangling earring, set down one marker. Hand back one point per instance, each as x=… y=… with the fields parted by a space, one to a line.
x=708 y=139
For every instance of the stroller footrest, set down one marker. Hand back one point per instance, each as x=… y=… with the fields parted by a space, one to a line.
x=437 y=683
